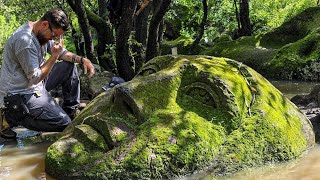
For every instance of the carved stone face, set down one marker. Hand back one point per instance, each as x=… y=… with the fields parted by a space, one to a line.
x=179 y=115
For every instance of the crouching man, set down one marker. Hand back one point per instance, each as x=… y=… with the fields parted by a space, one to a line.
x=27 y=77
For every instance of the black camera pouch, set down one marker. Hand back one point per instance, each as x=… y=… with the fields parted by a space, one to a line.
x=15 y=105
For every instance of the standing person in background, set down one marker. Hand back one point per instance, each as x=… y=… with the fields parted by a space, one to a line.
x=27 y=77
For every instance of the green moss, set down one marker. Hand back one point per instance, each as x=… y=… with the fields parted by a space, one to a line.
x=257 y=141
x=178 y=115
x=244 y=49
x=290 y=60
x=183 y=45
x=90 y=137
x=70 y=158
x=293 y=30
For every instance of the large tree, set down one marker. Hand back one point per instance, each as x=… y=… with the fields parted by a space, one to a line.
x=123 y=31
x=141 y=35
x=105 y=36
x=153 y=43
x=243 y=19
x=79 y=8
x=201 y=27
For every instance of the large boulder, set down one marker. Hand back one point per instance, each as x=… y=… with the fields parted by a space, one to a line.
x=294 y=29
x=297 y=60
x=245 y=49
x=290 y=51
x=179 y=115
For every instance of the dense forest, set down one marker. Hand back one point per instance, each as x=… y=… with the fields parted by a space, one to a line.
x=121 y=35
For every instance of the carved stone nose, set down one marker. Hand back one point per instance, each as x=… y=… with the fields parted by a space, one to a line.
x=124 y=100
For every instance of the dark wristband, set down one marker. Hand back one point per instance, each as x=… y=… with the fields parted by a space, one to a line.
x=81 y=60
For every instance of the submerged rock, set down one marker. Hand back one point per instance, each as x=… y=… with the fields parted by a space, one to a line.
x=179 y=115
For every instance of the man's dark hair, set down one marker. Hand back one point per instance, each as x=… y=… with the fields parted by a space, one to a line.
x=57 y=19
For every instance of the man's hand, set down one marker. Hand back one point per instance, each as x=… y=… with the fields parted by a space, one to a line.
x=88 y=66
x=55 y=52
x=57 y=47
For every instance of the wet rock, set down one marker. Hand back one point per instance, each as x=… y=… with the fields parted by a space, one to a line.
x=309 y=105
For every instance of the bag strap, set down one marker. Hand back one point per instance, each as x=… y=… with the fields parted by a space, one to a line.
x=1 y=118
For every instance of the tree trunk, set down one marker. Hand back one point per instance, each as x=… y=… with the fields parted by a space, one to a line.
x=160 y=32
x=244 y=18
x=152 y=45
x=105 y=37
x=141 y=35
x=102 y=9
x=76 y=40
x=237 y=17
x=201 y=28
x=79 y=9
x=122 y=36
x=82 y=45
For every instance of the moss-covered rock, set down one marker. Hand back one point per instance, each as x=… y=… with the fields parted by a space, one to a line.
x=90 y=88
x=178 y=115
x=288 y=52
x=183 y=45
x=293 y=30
x=245 y=49
x=298 y=60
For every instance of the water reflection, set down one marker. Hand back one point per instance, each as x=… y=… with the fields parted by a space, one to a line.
x=20 y=162
x=292 y=88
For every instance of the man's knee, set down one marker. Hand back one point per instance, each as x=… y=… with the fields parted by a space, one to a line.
x=61 y=126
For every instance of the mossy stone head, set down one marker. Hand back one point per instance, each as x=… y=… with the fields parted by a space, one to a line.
x=181 y=114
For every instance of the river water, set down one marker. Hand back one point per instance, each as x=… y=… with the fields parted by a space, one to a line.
x=26 y=162
x=23 y=162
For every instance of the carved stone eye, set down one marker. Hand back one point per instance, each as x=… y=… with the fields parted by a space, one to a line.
x=147 y=72
x=202 y=93
x=151 y=69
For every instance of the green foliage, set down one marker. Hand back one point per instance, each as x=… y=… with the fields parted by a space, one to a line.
x=185 y=16
x=188 y=13
x=17 y=12
x=8 y=23
x=266 y=15
x=110 y=52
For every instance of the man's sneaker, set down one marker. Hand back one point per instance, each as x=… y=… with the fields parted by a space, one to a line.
x=8 y=133
x=72 y=113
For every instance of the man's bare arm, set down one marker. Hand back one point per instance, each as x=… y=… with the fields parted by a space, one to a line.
x=87 y=65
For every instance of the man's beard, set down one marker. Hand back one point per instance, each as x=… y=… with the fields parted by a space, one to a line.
x=41 y=38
